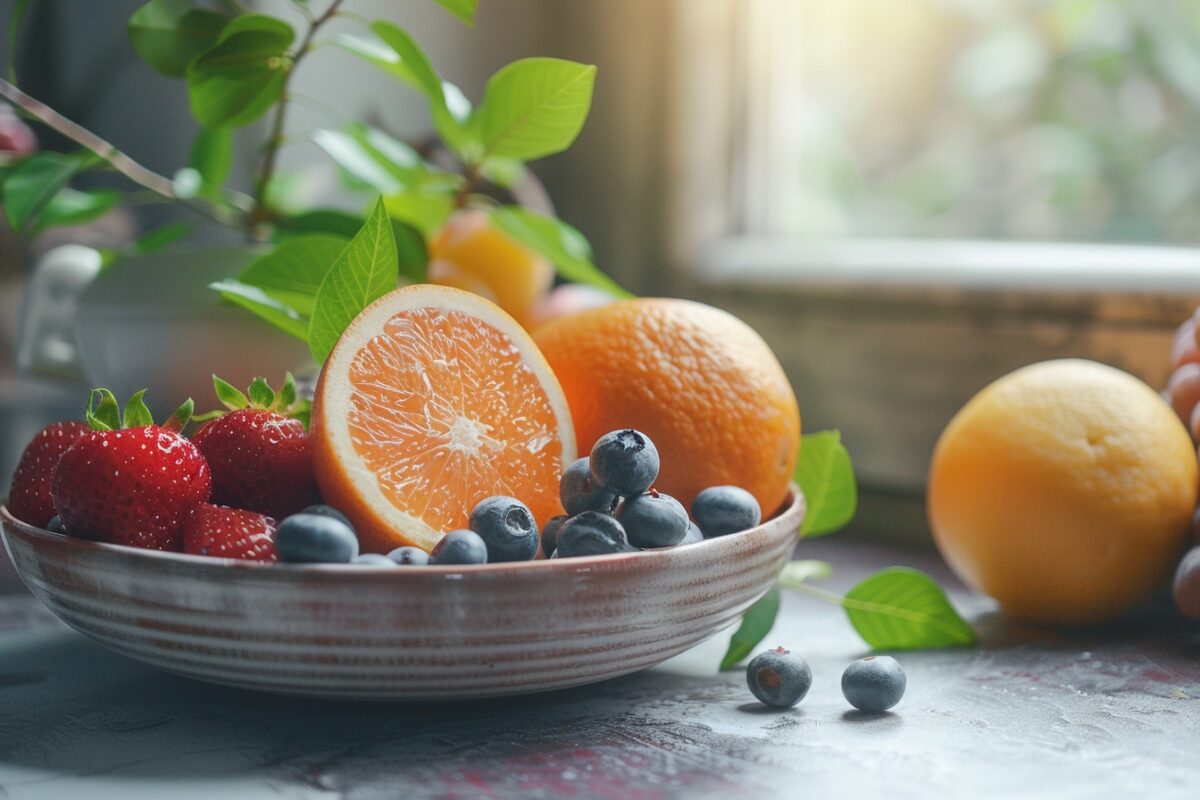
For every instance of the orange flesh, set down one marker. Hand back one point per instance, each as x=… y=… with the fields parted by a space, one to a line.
x=445 y=412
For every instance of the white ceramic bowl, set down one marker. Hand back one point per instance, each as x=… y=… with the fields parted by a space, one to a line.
x=408 y=633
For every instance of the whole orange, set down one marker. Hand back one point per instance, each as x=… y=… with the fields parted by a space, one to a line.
x=697 y=380
x=471 y=253
x=1064 y=490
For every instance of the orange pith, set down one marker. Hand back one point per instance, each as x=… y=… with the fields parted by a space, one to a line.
x=433 y=400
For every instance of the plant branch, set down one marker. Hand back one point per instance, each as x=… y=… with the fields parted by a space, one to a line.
x=464 y=194
x=261 y=213
x=131 y=169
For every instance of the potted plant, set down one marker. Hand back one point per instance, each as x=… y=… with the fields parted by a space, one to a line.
x=462 y=208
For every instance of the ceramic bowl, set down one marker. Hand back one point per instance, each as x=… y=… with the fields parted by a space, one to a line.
x=410 y=633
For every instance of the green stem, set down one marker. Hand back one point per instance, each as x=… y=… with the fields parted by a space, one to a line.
x=818 y=594
x=464 y=194
x=261 y=213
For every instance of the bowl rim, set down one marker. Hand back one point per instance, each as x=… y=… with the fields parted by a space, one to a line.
x=790 y=515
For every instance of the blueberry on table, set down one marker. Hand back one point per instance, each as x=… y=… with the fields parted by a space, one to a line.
x=874 y=684
x=591 y=534
x=459 y=547
x=550 y=533
x=693 y=534
x=625 y=462
x=507 y=528
x=315 y=539
x=579 y=492
x=409 y=557
x=1187 y=584
x=721 y=510
x=653 y=519
x=55 y=525
x=779 y=678
x=373 y=560
x=322 y=510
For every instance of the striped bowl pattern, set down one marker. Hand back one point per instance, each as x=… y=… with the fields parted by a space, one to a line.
x=402 y=634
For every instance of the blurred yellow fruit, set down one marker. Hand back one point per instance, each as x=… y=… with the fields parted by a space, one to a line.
x=470 y=253
x=1065 y=490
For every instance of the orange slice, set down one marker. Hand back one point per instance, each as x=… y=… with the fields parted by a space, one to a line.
x=432 y=400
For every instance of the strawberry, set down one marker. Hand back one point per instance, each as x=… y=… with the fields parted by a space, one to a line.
x=29 y=498
x=259 y=451
x=230 y=533
x=130 y=481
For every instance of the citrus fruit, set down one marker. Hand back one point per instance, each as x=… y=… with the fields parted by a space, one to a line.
x=432 y=400
x=1064 y=490
x=471 y=253
x=697 y=380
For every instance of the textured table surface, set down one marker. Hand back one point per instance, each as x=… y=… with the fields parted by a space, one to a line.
x=1027 y=713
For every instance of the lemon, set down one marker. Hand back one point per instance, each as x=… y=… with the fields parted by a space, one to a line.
x=1064 y=490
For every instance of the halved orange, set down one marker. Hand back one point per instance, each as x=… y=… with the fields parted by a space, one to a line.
x=432 y=400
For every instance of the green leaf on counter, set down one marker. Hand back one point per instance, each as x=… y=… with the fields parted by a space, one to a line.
x=73 y=206
x=899 y=608
x=365 y=271
x=168 y=34
x=463 y=9
x=756 y=624
x=212 y=157
x=33 y=183
x=826 y=477
x=534 y=107
x=237 y=80
x=561 y=244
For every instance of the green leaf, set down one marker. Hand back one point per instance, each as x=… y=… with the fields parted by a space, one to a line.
x=564 y=246
x=826 y=477
x=261 y=393
x=181 y=416
x=287 y=394
x=256 y=301
x=212 y=157
x=292 y=272
x=504 y=172
x=14 y=25
x=534 y=107
x=901 y=609
x=103 y=414
x=365 y=271
x=756 y=624
x=236 y=81
x=797 y=572
x=72 y=207
x=422 y=210
x=463 y=9
x=230 y=396
x=323 y=220
x=168 y=34
x=137 y=415
x=33 y=183
x=160 y=237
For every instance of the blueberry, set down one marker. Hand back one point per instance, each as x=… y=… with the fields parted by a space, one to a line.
x=779 y=678
x=591 y=534
x=693 y=534
x=315 y=539
x=373 y=560
x=874 y=684
x=459 y=547
x=409 y=556
x=55 y=525
x=625 y=462
x=720 y=510
x=322 y=510
x=579 y=493
x=550 y=534
x=653 y=519
x=507 y=527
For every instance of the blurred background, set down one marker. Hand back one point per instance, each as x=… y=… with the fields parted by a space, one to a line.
x=906 y=199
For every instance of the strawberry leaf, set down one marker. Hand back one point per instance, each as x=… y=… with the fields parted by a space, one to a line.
x=179 y=420
x=287 y=394
x=137 y=415
x=103 y=414
x=261 y=394
x=229 y=395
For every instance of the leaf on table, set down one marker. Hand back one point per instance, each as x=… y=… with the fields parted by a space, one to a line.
x=826 y=477
x=366 y=270
x=234 y=82
x=534 y=107
x=168 y=34
x=561 y=244
x=899 y=608
x=33 y=183
x=756 y=624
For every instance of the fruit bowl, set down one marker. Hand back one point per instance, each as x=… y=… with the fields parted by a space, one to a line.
x=417 y=633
